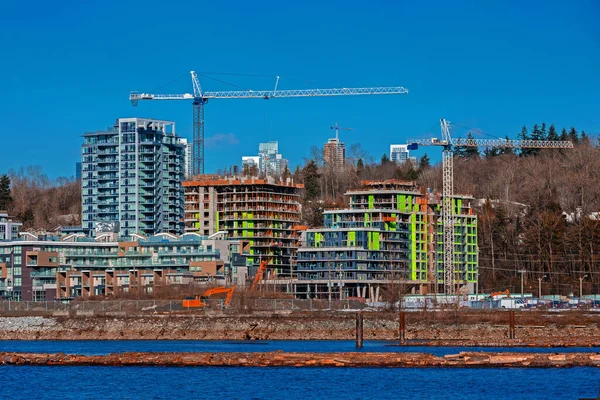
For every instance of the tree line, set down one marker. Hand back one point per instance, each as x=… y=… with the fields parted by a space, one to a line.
x=38 y=201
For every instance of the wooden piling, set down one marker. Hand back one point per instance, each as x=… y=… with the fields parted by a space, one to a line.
x=402 y=326
x=511 y=324
x=359 y=330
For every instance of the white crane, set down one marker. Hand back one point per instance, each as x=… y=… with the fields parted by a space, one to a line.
x=200 y=98
x=448 y=145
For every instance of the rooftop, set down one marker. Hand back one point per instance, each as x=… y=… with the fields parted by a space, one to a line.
x=212 y=180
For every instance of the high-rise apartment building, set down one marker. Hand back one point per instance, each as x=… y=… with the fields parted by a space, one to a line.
x=187 y=162
x=131 y=178
x=390 y=233
x=260 y=211
x=399 y=153
x=334 y=153
x=78 y=171
x=268 y=161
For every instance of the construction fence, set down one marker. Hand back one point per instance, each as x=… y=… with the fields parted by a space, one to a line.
x=140 y=307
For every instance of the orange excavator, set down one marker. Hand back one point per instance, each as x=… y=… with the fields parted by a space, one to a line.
x=506 y=292
x=198 y=301
x=259 y=274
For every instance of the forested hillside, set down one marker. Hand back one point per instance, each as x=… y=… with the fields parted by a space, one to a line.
x=38 y=201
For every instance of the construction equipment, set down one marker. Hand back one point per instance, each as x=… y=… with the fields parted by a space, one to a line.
x=506 y=293
x=448 y=145
x=199 y=301
x=259 y=274
x=337 y=130
x=200 y=98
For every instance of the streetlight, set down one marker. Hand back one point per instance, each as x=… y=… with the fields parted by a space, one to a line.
x=581 y=286
x=540 y=286
x=522 y=272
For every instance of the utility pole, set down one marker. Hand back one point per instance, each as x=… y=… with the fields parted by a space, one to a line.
x=540 y=286
x=581 y=286
x=522 y=272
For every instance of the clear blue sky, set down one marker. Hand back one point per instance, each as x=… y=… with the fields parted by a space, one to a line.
x=68 y=66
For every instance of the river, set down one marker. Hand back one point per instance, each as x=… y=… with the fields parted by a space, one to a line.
x=66 y=383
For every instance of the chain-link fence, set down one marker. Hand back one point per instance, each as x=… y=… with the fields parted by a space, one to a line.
x=124 y=307
x=241 y=305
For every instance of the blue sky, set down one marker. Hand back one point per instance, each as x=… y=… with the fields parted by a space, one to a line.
x=67 y=67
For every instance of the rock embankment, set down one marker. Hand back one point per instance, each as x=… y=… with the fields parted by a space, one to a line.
x=282 y=359
x=296 y=327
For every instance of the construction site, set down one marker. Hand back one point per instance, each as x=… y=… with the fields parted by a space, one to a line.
x=264 y=212
x=389 y=235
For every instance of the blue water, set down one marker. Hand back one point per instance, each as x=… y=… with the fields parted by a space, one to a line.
x=70 y=383
x=91 y=347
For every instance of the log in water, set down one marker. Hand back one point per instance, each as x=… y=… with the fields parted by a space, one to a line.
x=283 y=359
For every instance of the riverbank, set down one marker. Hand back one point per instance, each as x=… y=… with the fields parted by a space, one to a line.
x=442 y=330
x=282 y=359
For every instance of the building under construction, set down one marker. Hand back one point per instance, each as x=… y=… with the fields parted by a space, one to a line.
x=391 y=232
x=260 y=211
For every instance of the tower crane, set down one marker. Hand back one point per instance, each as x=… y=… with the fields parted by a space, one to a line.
x=337 y=130
x=448 y=144
x=200 y=98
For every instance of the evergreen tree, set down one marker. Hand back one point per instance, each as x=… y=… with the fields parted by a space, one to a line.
x=312 y=187
x=492 y=152
x=536 y=134
x=412 y=174
x=507 y=150
x=5 y=197
x=467 y=152
x=564 y=135
x=552 y=134
x=573 y=137
x=585 y=139
x=424 y=162
x=286 y=173
x=384 y=159
x=360 y=167
x=524 y=135
x=543 y=133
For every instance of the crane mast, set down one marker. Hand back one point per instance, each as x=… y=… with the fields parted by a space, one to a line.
x=447 y=207
x=451 y=282
x=200 y=98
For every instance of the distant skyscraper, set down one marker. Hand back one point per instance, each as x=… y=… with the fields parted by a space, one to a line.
x=334 y=153
x=78 y=171
x=131 y=178
x=187 y=158
x=268 y=161
x=399 y=153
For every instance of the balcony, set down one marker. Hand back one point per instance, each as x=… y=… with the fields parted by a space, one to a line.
x=42 y=274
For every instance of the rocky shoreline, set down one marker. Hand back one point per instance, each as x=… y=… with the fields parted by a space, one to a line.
x=296 y=327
